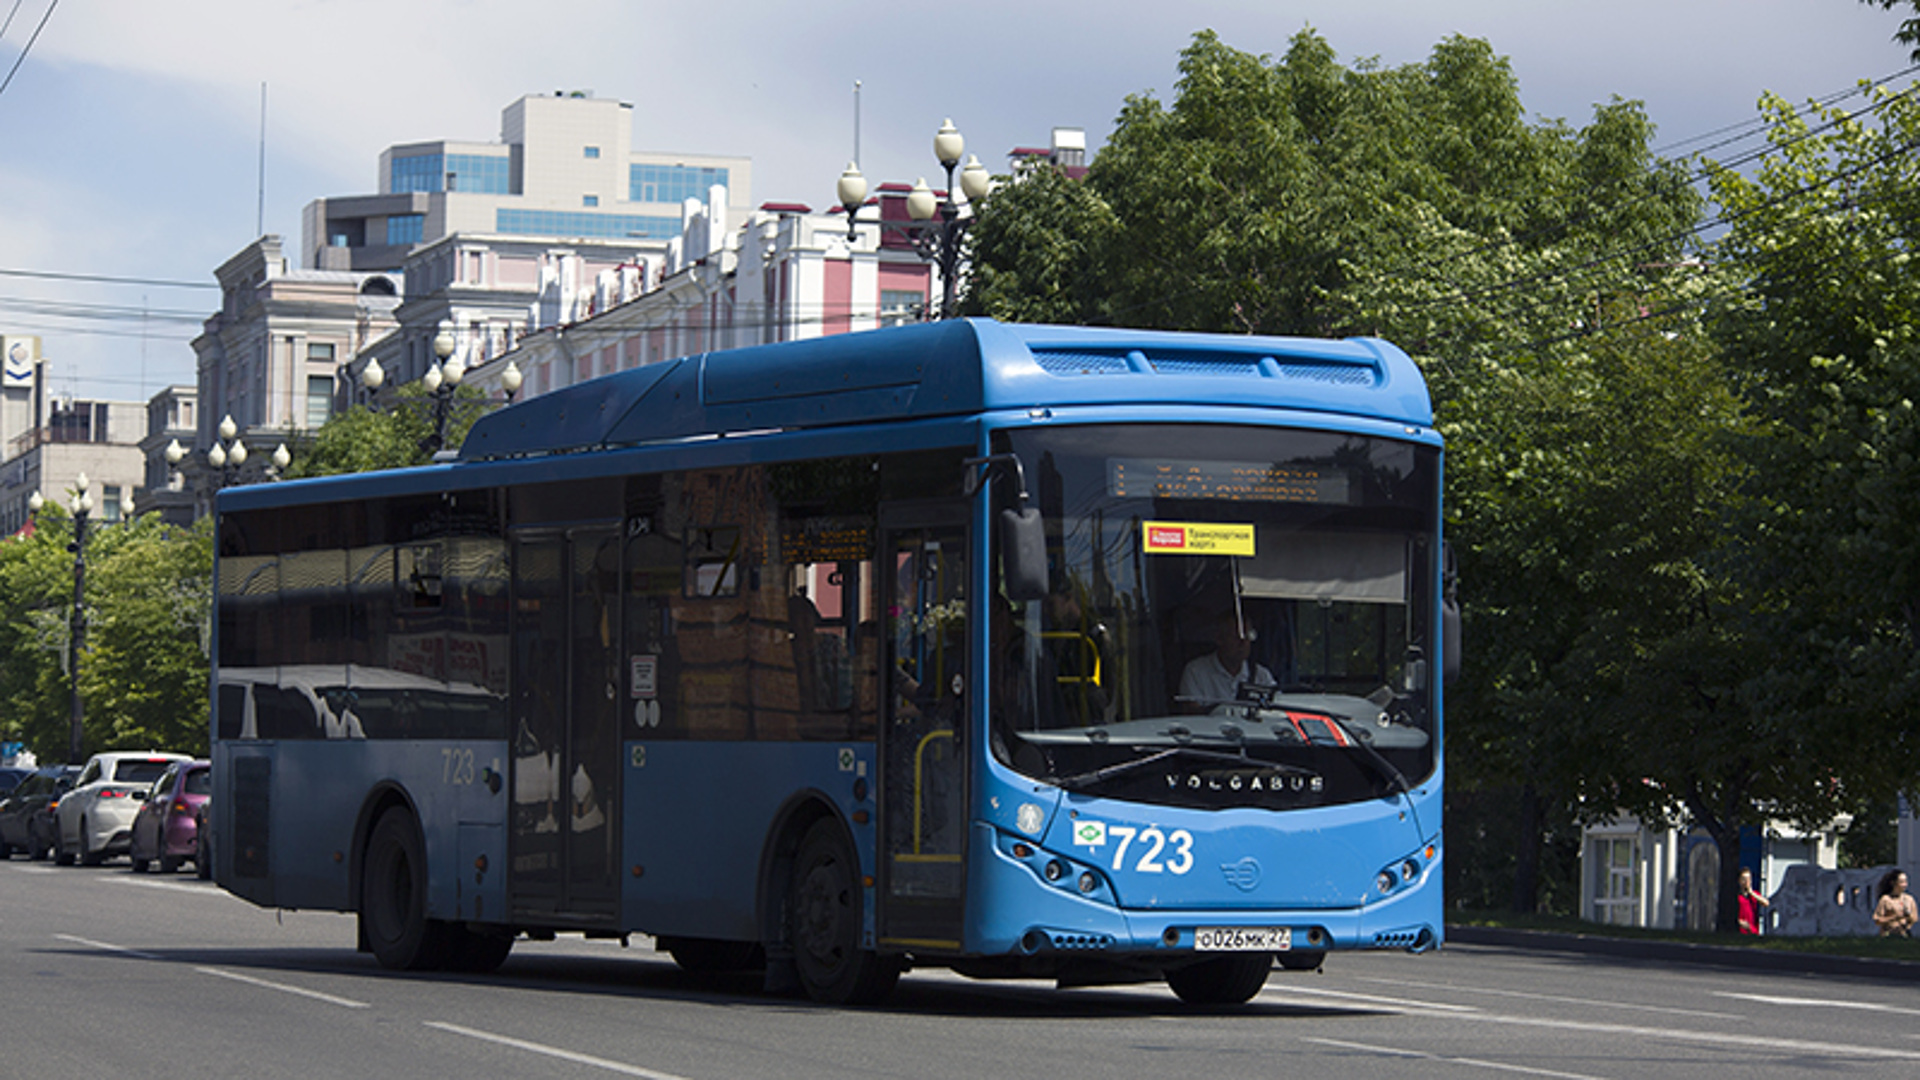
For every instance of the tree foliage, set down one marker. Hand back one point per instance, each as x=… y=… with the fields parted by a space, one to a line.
x=395 y=436
x=1828 y=328
x=144 y=670
x=1909 y=32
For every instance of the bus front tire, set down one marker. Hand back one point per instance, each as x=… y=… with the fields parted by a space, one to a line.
x=1223 y=980
x=824 y=924
x=393 y=898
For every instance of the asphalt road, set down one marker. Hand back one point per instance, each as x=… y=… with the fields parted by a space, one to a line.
x=107 y=973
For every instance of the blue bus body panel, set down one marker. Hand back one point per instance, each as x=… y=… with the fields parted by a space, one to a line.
x=310 y=843
x=952 y=368
x=696 y=820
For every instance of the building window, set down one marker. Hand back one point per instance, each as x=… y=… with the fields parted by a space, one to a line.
x=590 y=200
x=319 y=400
x=110 y=502
x=581 y=223
x=450 y=172
x=320 y=352
x=672 y=183
x=406 y=228
x=593 y=153
x=1616 y=880
x=901 y=306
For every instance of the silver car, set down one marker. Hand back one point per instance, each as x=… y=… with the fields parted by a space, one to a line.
x=95 y=819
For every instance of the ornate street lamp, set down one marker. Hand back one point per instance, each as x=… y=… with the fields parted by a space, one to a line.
x=939 y=225
x=77 y=627
x=224 y=463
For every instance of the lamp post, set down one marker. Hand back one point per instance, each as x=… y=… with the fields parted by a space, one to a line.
x=226 y=459
x=77 y=628
x=939 y=224
x=441 y=381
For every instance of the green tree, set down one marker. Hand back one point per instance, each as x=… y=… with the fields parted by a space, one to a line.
x=144 y=670
x=1828 y=328
x=144 y=680
x=1909 y=32
x=392 y=437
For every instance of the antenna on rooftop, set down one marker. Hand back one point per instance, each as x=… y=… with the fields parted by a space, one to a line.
x=260 y=216
x=856 y=119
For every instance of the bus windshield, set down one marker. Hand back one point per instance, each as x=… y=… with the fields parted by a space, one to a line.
x=1235 y=616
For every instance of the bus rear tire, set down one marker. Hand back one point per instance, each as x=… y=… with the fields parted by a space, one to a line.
x=1223 y=980
x=824 y=923
x=393 y=898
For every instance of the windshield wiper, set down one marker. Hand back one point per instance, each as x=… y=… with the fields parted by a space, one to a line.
x=1088 y=779
x=1364 y=742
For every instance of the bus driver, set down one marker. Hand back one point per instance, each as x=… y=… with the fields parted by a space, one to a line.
x=1216 y=677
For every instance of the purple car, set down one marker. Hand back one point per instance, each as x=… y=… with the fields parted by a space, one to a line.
x=164 y=830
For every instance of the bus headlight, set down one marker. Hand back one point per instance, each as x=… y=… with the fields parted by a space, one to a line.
x=1384 y=881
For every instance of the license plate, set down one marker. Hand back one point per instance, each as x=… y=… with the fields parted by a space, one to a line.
x=1242 y=939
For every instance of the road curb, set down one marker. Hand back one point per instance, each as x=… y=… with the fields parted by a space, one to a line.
x=1677 y=952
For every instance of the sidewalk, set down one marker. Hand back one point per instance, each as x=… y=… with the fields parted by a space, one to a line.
x=1684 y=953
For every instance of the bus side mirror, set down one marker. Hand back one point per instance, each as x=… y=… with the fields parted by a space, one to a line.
x=1023 y=554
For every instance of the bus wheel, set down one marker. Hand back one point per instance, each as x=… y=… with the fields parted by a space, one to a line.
x=824 y=920
x=1303 y=960
x=393 y=898
x=1223 y=980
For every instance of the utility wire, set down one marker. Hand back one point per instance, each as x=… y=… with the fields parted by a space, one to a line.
x=8 y=25
x=29 y=46
x=54 y=275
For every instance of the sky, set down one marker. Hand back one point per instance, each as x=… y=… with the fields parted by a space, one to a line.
x=133 y=129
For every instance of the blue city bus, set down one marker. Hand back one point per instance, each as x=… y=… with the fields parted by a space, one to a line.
x=1026 y=651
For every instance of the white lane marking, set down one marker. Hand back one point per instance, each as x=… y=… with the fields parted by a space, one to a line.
x=1816 y=1003
x=1552 y=997
x=1500 y=1066
x=347 y=1003
x=108 y=946
x=553 y=1051
x=178 y=886
x=36 y=870
x=1371 y=999
x=1710 y=1038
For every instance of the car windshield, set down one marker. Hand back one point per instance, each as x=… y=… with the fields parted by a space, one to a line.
x=1234 y=616
x=139 y=772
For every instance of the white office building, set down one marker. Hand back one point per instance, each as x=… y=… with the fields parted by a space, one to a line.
x=564 y=167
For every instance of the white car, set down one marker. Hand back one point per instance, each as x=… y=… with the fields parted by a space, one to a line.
x=95 y=819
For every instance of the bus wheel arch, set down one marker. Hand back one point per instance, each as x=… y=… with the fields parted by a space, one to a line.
x=391 y=888
x=811 y=859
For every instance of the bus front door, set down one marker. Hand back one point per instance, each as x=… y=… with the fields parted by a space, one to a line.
x=923 y=761
x=564 y=835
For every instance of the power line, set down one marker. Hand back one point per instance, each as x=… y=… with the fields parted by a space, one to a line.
x=55 y=275
x=29 y=46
